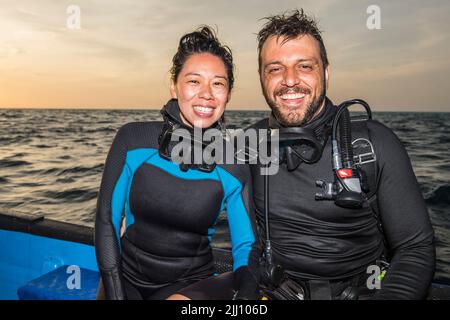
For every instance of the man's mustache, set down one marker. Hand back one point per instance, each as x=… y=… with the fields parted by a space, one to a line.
x=290 y=90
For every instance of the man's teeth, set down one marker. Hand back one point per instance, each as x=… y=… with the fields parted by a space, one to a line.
x=204 y=109
x=292 y=96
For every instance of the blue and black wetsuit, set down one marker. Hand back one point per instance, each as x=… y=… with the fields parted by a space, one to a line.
x=170 y=217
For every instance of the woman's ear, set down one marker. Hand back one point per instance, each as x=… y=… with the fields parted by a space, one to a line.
x=173 y=89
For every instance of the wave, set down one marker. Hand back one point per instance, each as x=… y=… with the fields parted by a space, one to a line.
x=59 y=171
x=47 y=171
x=72 y=195
x=38 y=171
x=444 y=139
x=43 y=146
x=17 y=155
x=94 y=169
x=13 y=163
x=428 y=156
x=444 y=167
x=65 y=180
x=440 y=196
x=14 y=139
x=11 y=116
x=404 y=129
x=31 y=184
x=103 y=129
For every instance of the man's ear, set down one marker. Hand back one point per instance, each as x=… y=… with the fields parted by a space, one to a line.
x=327 y=75
x=173 y=90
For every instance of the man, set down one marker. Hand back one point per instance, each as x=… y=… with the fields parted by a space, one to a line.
x=325 y=247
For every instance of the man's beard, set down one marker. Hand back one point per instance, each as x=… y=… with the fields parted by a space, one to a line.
x=293 y=118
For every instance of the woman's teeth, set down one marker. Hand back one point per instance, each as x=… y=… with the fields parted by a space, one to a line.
x=204 y=109
x=292 y=96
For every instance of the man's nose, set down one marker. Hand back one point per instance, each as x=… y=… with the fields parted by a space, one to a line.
x=291 y=77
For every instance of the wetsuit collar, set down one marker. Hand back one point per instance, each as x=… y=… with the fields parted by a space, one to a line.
x=304 y=143
x=172 y=121
x=171 y=112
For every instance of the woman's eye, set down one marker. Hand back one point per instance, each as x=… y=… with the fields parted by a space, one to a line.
x=193 y=81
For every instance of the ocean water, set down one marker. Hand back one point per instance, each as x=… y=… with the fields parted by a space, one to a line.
x=51 y=162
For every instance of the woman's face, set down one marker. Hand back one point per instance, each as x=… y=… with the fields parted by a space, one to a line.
x=202 y=90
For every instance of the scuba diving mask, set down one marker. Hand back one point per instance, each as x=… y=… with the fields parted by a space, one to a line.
x=299 y=145
x=302 y=144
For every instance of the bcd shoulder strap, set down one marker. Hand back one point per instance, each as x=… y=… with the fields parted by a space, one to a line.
x=365 y=159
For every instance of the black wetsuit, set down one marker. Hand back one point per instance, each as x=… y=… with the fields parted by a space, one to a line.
x=170 y=217
x=319 y=240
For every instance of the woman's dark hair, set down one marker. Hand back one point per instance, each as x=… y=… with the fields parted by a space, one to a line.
x=290 y=26
x=203 y=40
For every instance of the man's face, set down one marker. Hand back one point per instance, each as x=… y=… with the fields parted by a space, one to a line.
x=293 y=78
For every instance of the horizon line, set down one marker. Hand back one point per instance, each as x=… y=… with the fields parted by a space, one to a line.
x=156 y=109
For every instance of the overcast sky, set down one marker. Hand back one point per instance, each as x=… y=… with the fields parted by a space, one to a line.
x=121 y=55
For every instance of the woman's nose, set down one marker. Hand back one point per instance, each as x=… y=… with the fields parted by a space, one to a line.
x=206 y=92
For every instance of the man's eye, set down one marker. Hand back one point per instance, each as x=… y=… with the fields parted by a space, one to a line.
x=274 y=70
x=306 y=67
x=219 y=84
x=193 y=81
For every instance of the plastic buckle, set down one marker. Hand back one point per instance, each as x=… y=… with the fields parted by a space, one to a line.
x=367 y=157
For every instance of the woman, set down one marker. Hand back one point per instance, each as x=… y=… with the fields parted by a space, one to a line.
x=169 y=208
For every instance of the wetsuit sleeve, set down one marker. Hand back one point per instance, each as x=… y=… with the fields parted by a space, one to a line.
x=110 y=204
x=245 y=248
x=405 y=221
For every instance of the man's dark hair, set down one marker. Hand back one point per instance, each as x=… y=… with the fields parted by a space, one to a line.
x=290 y=26
x=203 y=40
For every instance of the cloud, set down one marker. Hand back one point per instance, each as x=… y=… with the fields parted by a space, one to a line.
x=131 y=42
